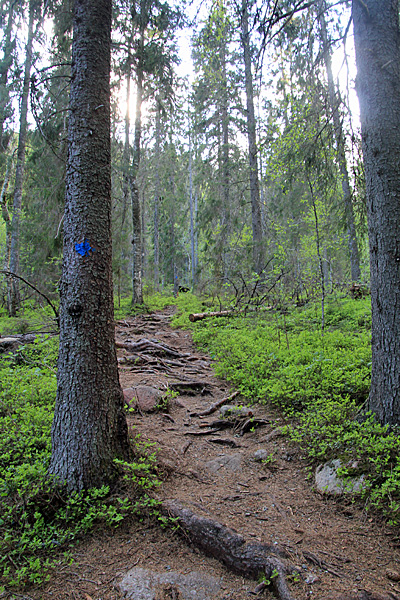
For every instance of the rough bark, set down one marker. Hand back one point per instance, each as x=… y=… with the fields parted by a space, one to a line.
x=137 y=295
x=258 y=258
x=89 y=427
x=334 y=101
x=13 y=295
x=377 y=44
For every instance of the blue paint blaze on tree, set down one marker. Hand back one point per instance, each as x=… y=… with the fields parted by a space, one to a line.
x=84 y=248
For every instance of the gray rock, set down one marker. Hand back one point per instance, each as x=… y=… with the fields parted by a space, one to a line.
x=236 y=411
x=328 y=482
x=233 y=462
x=261 y=455
x=144 y=397
x=144 y=584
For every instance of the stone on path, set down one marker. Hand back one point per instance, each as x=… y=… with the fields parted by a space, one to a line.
x=260 y=455
x=145 y=584
x=231 y=410
x=143 y=397
x=232 y=462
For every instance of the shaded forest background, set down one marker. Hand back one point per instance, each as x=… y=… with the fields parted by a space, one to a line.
x=249 y=164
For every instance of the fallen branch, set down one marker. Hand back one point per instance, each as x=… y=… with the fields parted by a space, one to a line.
x=193 y=317
x=245 y=558
x=221 y=313
x=215 y=406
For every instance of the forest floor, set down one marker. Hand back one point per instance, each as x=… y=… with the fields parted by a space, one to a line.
x=338 y=547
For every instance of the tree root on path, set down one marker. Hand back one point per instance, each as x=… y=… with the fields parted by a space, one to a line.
x=250 y=559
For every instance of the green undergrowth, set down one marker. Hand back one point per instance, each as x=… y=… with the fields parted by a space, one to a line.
x=31 y=317
x=39 y=523
x=318 y=381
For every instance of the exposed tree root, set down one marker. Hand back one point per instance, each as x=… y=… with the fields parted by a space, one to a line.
x=363 y=595
x=245 y=558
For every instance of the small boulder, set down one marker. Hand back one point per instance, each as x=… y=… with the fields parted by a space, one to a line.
x=327 y=480
x=232 y=462
x=231 y=410
x=143 y=397
x=261 y=455
x=145 y=584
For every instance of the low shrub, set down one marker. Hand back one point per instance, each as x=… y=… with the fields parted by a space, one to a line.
x=37 y=519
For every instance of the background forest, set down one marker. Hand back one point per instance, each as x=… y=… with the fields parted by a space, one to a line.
x=246 y=157
x=237 y=175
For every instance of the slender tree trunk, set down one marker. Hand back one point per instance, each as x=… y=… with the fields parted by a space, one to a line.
x=258 y=254
x=334 y=101
x=125 y=180
x=89 y=427
x=157 y=199
x=126 y=155
x=5 y=108
x=13 y=294
x=6 y=217
x=191 y=209
x=144 y=248
x=173 y=245
x=137 y=295
x=196 y=243
x=320 y=259
x=377 y=44
x=225 y=161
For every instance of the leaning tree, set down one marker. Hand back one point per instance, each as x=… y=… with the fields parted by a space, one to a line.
x=89 y=427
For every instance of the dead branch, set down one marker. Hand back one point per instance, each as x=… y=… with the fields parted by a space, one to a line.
x=215 y=406
x=245 y=558
x=193 y=317
x=10 y=274
x=220 y=313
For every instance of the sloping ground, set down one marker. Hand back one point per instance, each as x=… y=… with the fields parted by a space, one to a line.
x=337 y=547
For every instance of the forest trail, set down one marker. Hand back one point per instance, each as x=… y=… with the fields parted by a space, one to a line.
x=338 y=547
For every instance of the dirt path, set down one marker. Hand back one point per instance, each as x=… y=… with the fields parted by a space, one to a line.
x=337 y=547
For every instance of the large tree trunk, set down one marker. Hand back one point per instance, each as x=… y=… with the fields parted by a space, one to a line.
x=258 y=255
x=377 y=44
x=137 y=294
x=334 y=101
x=89 y=427
x=13 y=295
